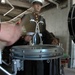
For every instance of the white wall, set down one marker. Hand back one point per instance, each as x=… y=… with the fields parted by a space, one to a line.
x=56 y=20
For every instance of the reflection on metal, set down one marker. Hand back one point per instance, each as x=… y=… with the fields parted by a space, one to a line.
x=18 y=65
x=10 y=9
x=72 y=55
x=37 y=52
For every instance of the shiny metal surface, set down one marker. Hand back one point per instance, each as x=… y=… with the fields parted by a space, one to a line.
x=37 y=52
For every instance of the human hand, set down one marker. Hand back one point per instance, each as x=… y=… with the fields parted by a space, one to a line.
x=28 y=38
x=55 y=41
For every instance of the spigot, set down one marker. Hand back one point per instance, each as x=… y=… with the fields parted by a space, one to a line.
x=36 y=38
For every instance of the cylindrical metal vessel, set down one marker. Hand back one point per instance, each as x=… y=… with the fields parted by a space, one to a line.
x=39 y=59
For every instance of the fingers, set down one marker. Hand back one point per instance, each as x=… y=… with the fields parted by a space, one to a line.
x=28 y=38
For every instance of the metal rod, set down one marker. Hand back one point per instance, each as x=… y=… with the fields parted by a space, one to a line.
x=10 y=9
x=54 y=3
x=5 y=63
x=20 y=14
x=6 y=71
